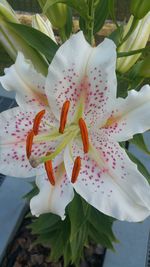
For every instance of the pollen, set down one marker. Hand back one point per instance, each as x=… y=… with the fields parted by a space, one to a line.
x=76 y=169
x=63 y=116
x=29 y=143
x=84 y=135
x=49 y=170
x=37 y=121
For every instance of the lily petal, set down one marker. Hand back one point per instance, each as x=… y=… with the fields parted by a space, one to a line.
x=52 y=198
x=109 y=181
x=81 y=71
x=28 y=84
x=65 y=80
x=101 y=91
x=130 y=115
x=15 y=125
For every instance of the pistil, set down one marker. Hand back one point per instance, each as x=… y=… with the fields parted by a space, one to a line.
x=68 y=138
x=29 y=143
x=76 y=169
x=84 y=135
x=37 y=121
x=63 y=116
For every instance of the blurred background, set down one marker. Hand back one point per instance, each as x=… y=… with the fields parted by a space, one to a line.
x=32 y=6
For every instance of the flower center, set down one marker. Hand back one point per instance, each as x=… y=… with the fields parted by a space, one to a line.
x=66 y=133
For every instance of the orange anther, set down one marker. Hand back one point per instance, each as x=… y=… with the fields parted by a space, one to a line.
x=63 y=117
x=29 y=143
x=84 y=135
x=37 y=121
x=76 y=169
x=49 y=171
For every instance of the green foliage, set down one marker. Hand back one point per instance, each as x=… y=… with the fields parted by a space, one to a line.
x=81 y=8
x=139 y=8
x=36 y=39
x=67 y=238
x=111 y=7
x=101 y=14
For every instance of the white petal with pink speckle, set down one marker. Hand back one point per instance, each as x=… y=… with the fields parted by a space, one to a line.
x=109 y=181
x=15 y=125
x=28 y=84
x=52 y=198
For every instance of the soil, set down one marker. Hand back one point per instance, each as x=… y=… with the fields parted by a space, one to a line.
x=22 y=253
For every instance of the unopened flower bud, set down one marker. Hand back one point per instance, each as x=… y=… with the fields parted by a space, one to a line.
x=56 y=13
x=43 y=25
x=13 y=42
x=136 y=40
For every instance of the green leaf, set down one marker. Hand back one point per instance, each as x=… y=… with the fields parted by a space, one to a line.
x=78 y=215
x=100 y=238
x=116 y=35
x=78 y=243
x=67 y=254
x=68 y=26
x=140 y=166
x=81 y=8
x=139 y=141
x=59 y=240
x=133 y=52
x=37 y=40
x=102 y=223
x=101 y=14
x=111 y=7
x=44 y=223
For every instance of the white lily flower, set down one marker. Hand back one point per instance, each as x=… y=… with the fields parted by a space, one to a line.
x=43 y=25
x=73 y=142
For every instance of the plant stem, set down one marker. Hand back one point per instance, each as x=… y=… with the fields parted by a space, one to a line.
x=62 y=34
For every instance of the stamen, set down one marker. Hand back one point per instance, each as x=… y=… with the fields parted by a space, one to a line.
x=37 y=121
x=29 y=143
x=84 y=135
x=63 y=117
x=49 y=170
x=76 y=169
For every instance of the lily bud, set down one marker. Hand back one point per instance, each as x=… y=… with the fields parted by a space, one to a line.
x=13 y=42
x=139 y=8
x=43 y=25
x=136 y=40
x=7 y=14
x=57 y=14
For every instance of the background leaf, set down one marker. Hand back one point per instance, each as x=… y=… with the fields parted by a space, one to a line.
x=81 y=8
x=101 y=14
x=37 y=40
